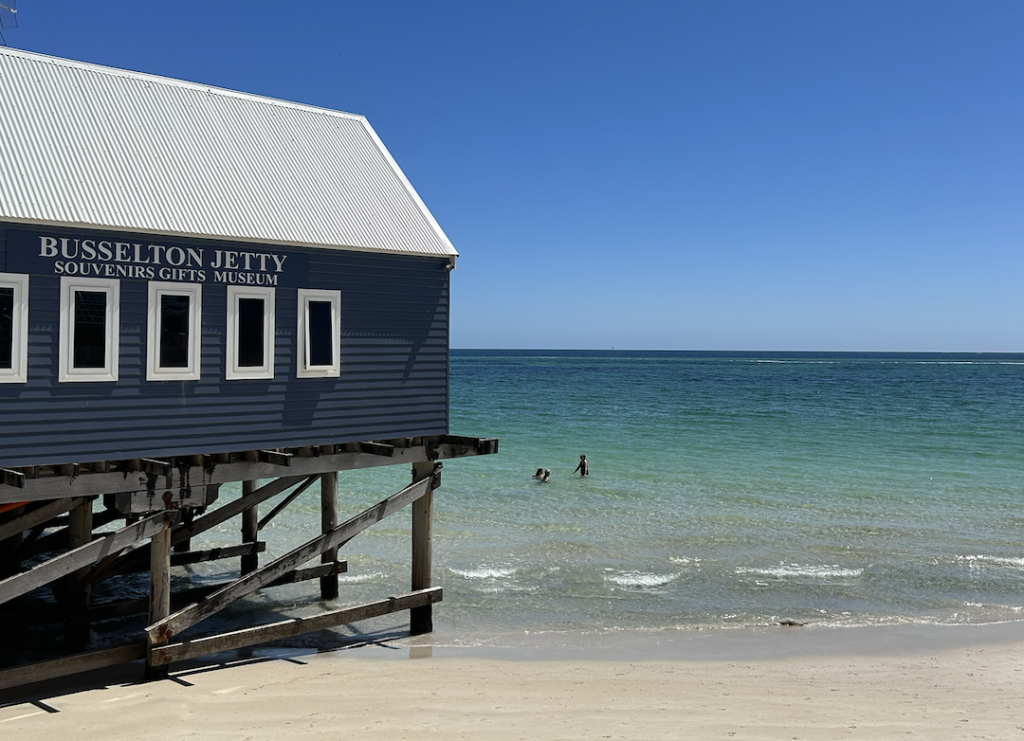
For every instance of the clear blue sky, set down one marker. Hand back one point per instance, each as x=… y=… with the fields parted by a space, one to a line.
x=713 y=174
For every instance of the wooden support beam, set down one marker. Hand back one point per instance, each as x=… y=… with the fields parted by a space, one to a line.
x=217 y=554
x=285 y=502
x=128 y=466
x=135 y=560
x=188 y=515
x=314 y=572
x=159 y=588
x=329 y=521
x=160 y=468
x=38 y=516
x=12 y=478
x=288 y=628
x=229 y=467
x=421 y=618
x=80 y=525
x=232 y=509
x=62 y=565
x=65 y=666
x=160 y=576
x=462 y=446
x=138 y=559
x=10 y=546
x=373 y=448
x=76 y=592
x=51 y=612
x=99 y=519
x=250 y=528
x=275 y=457
x=58 y=540
x=183 y=619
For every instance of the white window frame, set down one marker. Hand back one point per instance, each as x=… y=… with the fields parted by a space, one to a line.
x=303 y=368
x=18 y=372
x=67 y=373
x=232 y=371
x=157 y=291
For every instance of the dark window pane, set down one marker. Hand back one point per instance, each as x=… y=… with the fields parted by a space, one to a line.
x=250 y=332
x=90 y=329
x=174 y=331
x=321 y=341
x=6 y=328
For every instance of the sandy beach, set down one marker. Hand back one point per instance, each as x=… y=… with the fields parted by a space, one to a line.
x=909 y=690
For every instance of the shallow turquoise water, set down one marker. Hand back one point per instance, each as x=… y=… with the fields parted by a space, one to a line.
x=725 y=490
x=741 y=489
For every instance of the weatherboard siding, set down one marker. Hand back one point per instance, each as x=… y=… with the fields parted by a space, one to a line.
x=394 y=372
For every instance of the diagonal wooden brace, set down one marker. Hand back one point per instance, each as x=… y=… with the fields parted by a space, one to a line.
x=139 y=557
x=38 y=516
x=225 y=513
x=90 y=553
x=163 y=655
x=163 y=630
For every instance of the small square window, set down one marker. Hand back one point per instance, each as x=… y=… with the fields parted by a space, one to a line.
x=13 y=328
x=319 y=345
x=173 y=332
x=90 y=329
x=250 y=333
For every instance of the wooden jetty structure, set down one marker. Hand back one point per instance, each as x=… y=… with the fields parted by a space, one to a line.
x=200 y=287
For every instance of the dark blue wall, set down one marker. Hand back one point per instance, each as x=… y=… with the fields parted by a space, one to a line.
x=394 y=372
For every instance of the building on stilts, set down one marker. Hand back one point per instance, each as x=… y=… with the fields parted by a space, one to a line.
x=201 y=287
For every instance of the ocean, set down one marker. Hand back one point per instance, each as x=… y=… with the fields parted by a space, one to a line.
x=735 y=489
x=726 y=490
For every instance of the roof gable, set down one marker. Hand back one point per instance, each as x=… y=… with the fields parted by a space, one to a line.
x=92 y=146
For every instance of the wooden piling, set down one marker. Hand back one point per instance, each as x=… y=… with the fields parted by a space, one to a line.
x=76 y=596
x=421 y=618
x=159 y=590
x=250 y=529
x=329 y=521
x=10 y=542
x=185 y=545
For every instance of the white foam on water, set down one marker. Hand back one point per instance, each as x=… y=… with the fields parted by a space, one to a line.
x=981 y=560
x=685 y=560
x=640 y=579
x=361 y=578
x=789 y=571
x=485 y=572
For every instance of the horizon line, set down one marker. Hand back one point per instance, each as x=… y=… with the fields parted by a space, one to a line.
x=846 y=352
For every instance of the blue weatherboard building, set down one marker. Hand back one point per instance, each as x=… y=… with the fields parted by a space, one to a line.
x=200 y=287
x=188 y=270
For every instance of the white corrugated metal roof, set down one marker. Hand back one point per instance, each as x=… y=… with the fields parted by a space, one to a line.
x=89 y=146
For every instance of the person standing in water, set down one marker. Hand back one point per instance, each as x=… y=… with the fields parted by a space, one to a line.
x=547 y=476
x=583 y=467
